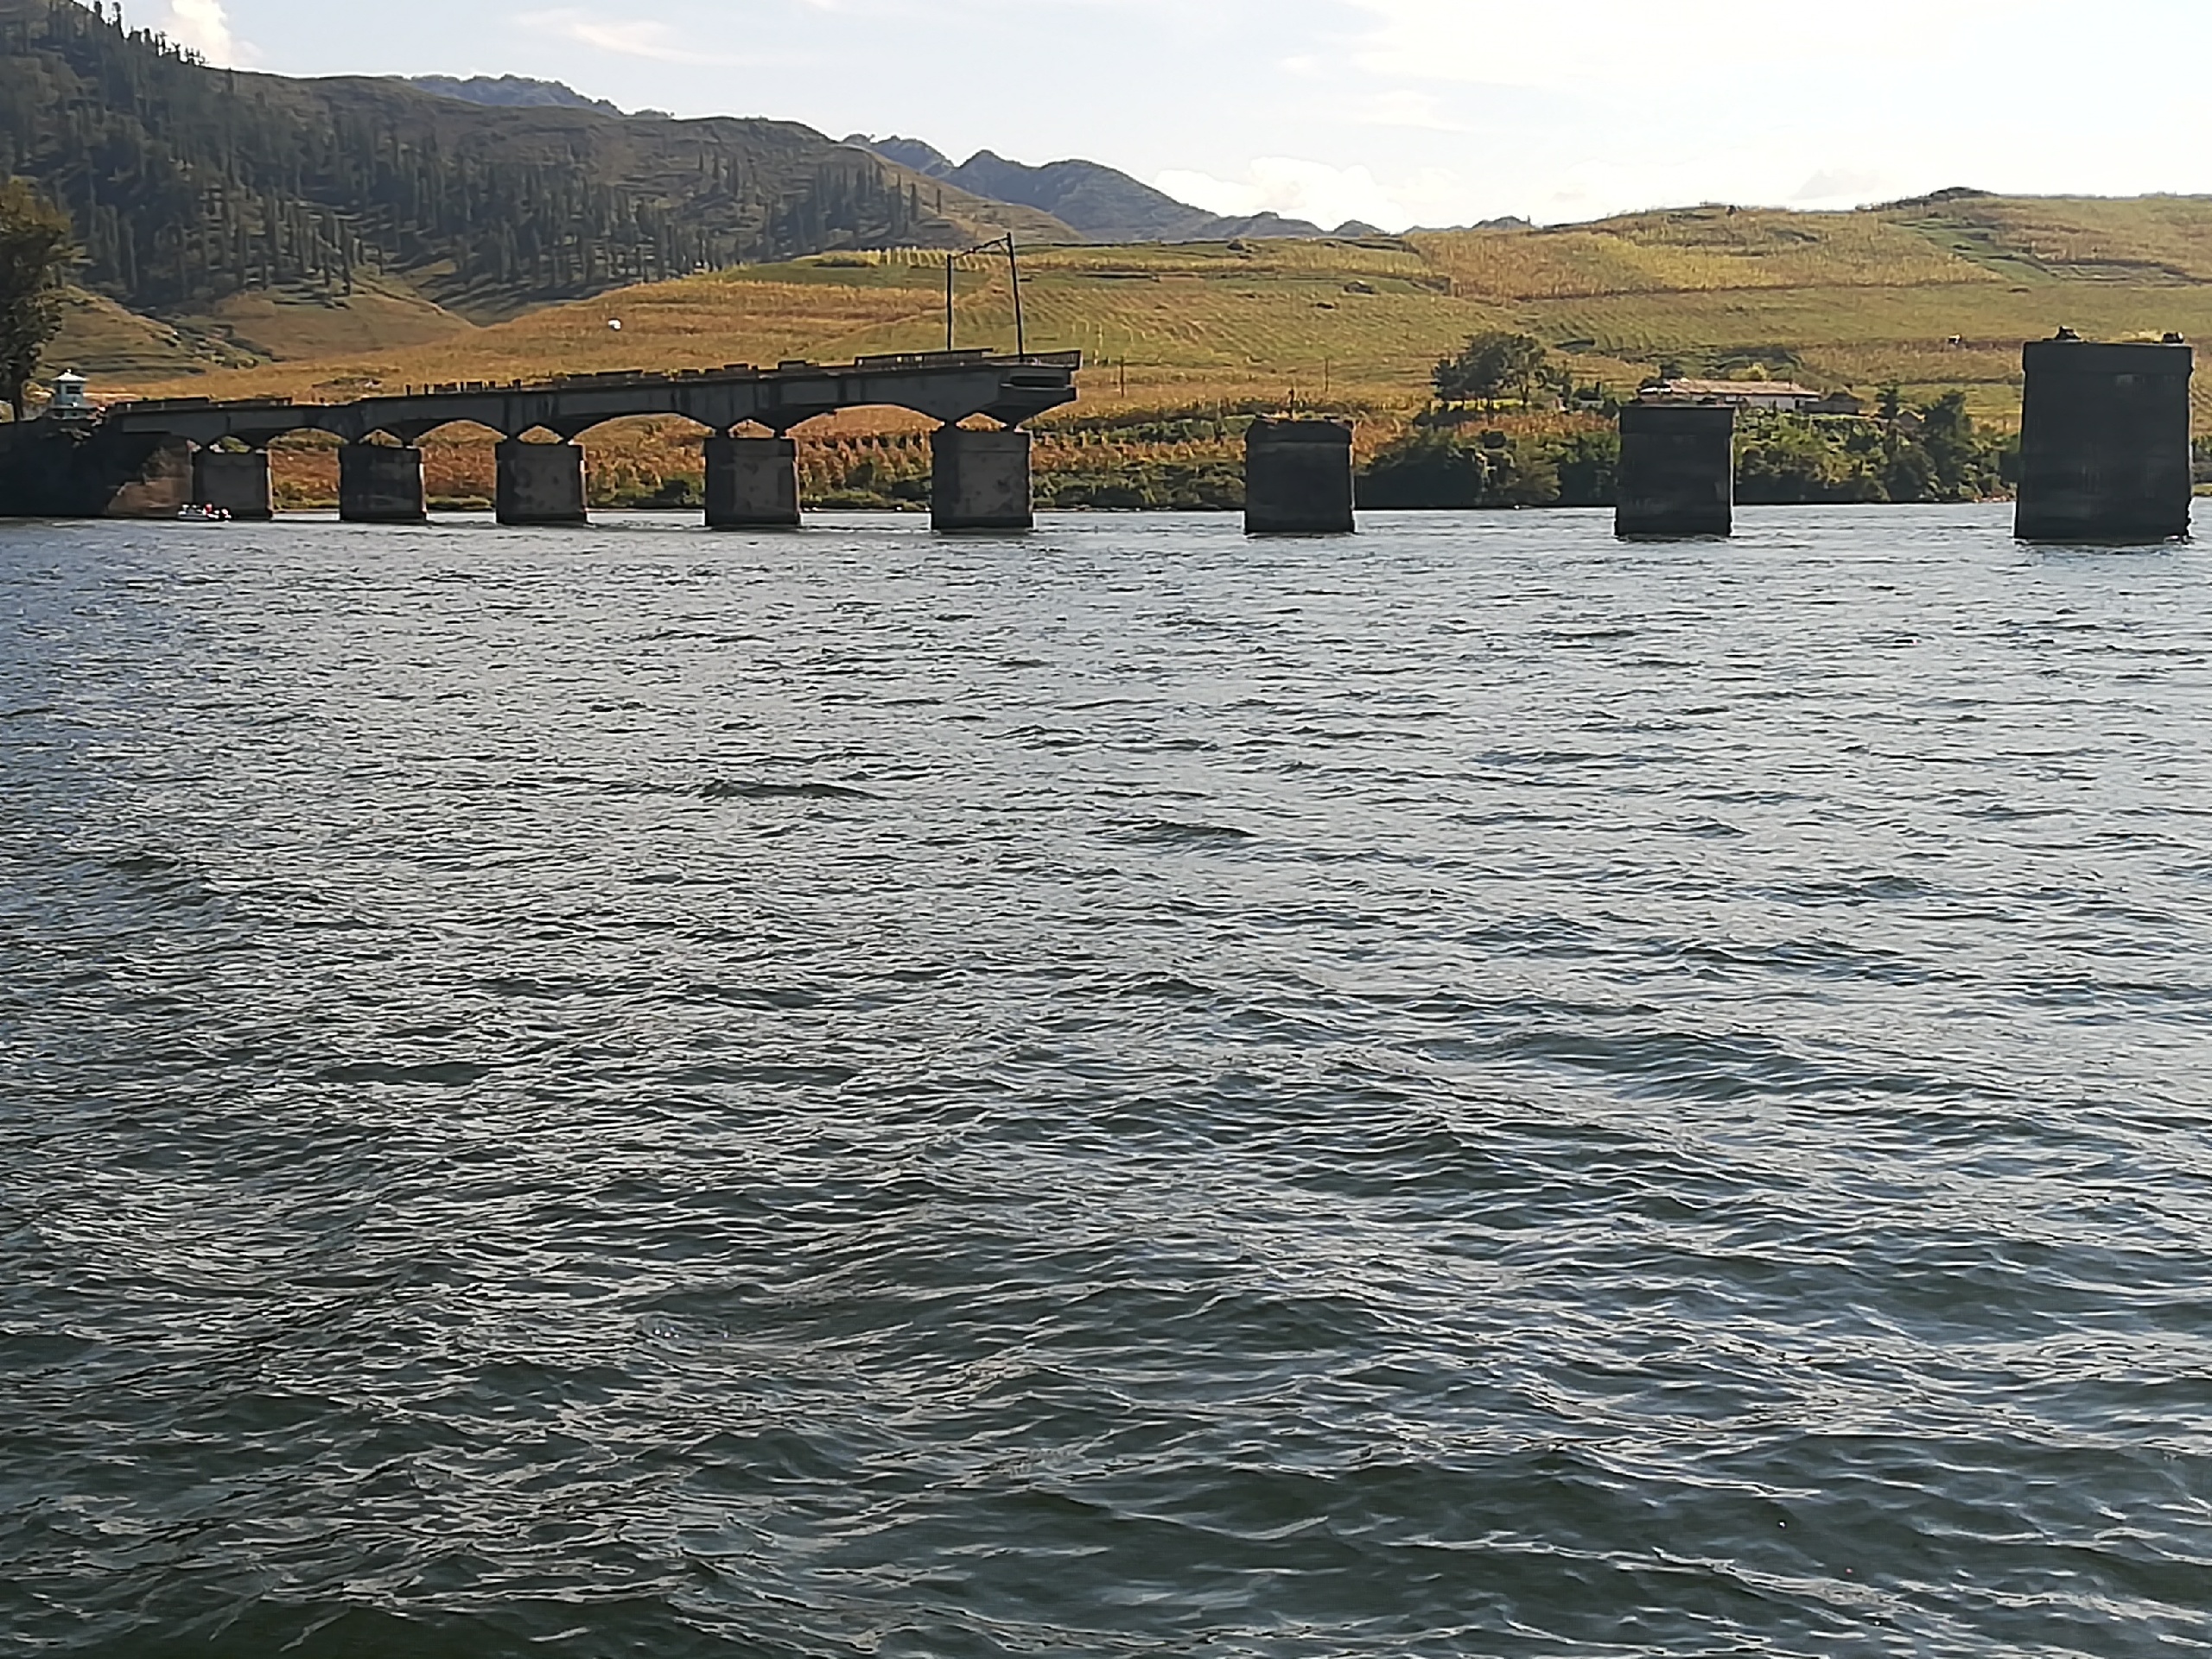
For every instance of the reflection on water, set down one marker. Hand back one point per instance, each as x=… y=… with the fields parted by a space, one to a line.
x=1473 y=1090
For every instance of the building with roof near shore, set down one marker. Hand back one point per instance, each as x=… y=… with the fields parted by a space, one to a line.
x=1784 y=396
x=69 y=402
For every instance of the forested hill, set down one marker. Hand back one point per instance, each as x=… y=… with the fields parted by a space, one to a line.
x=511 y=92
x=1103 y=202
x=188 y=183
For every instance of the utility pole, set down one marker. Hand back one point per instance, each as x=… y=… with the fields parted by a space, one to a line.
x=1014 y=270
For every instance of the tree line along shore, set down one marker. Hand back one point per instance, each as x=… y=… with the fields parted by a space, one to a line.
x=1184 y=345
x=1184 y=342
x=165 y=235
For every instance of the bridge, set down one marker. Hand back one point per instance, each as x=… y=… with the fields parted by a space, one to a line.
x=980 y=478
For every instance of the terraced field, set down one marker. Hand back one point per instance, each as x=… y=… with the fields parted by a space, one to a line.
x=1933 y=295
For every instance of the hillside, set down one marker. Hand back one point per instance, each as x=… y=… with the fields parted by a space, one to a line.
x=1181 y=338
x=1103 y=203
x=103 y=339
x=191 y=185
x=1930 y=295
x=511 y=92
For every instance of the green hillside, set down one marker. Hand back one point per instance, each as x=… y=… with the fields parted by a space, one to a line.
x=1103 y=203
x=1183 y=339
x=189 y=185
x=1932 y=296
x=349 y=231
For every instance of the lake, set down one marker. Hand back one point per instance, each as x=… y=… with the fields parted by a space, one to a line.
x=1127 y=1091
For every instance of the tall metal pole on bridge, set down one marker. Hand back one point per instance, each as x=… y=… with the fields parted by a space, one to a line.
x=1014 y=270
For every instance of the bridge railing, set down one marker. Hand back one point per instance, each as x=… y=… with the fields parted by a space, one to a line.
x=875 y=364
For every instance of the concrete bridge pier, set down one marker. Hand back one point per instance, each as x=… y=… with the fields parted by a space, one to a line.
x=540 y=483
x=980 y=480
x=752 y=483
x=2104 y=441
x=51 y=470
x=236 y=480
x=380 y=484
x=1298 y=477
x=1677 y=471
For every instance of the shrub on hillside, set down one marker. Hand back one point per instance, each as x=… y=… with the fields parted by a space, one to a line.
x=1933 y=453
x=1489 y=365
x=1431 y=467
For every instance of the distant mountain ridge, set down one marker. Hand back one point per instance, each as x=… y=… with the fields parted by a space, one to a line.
x=188 y=185
x=511 y=93
x=201 y=193
x=1103 y=202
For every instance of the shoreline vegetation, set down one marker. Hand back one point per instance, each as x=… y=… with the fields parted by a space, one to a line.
x=1553 y=443
x=259 y=235
x=1505 y=463
x=1184 y=344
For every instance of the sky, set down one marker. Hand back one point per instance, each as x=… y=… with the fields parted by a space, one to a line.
x=1397 y=113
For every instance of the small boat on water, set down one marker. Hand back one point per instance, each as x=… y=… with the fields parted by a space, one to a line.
x=199 y=512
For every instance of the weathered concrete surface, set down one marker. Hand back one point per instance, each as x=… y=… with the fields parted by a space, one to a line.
x=2104 y=441
x=52 y=470
x=1677 y=470
x=948 y=386
x=379 y=484
x=980 y=480
x=752 y=484
x=539 y=483
x=1298 y=477
x=237 y=481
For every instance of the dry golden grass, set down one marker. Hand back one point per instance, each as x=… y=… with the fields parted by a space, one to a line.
x=1866 y=338
x=697 y=322
x=1195 y=329
x=1853 y=300
x=2140 y=239
x=1696 y=251
x=100 y=338
x=311 y=325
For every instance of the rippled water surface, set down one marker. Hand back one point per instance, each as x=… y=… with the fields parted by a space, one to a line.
x=1470 y=1092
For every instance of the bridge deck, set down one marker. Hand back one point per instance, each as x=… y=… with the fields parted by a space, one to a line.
x=946 y=386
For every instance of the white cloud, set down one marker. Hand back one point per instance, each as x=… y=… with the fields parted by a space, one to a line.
x=628 y=37
x=1855 y=185
x=1402 y=106
x=1689 y=45
x=205 y=27
x=1429 y=112
x=1297 y=189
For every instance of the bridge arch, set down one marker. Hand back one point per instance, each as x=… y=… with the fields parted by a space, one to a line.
x=379 y=437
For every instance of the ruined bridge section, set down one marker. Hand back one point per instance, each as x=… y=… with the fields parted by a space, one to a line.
x=982 y=478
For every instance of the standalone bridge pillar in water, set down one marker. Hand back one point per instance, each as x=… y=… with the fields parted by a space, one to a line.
x=752 y=484
x=235 y=480
x=1677 y=470
x=1298 y=477
x=980 y=480
x=2104 y=441
x=380 y=484
x=540 y=483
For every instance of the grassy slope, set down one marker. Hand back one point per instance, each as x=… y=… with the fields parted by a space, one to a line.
x=1851 y=299
x=186 y=182
x=307 y=324
x=101 y=339
x=1846 y=299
